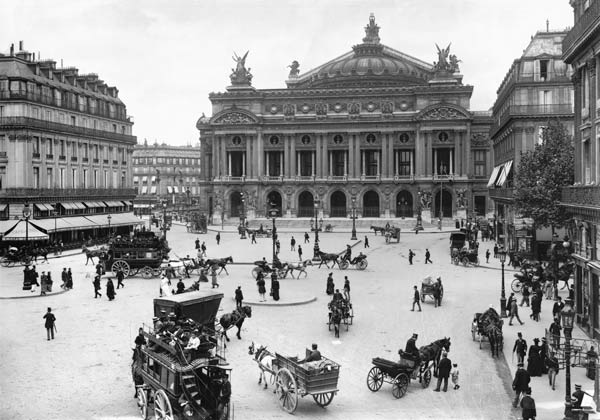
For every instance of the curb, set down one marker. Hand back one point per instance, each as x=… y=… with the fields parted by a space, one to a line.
x=33 y=296
x=300 y=302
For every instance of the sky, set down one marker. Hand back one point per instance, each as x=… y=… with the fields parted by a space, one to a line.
x=166 y=56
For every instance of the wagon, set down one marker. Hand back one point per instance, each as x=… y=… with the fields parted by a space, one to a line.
x=428 y=286
x=143 y=254
x=318 y=379
x=345 y=310
x=398 y=374
x=466 y=257
x=488 y=326
x=14 y=257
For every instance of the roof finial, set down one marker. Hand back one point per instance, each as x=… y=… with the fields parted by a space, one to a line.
x=547 y=25
x=372 y=31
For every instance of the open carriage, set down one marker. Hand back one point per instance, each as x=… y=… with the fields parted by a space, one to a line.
x=340 y=312
x=488 y=326
x=15 y=256
x=429 y=287
x=188 y=385
x=392 y=234
x=466 y=257
x=143 y=253
x=398 y=374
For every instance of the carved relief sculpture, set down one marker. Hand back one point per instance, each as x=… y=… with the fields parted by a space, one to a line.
x=426 y=200
x=442 y=113
x=460 y=198
x=240 y=75
x=294 y=70
x=321 y=109
x=288 y=110
x=234 y=118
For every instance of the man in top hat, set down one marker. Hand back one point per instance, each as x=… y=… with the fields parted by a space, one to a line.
x=528 y=406
x=411 y=349
x=578 y=397
x=520 y=383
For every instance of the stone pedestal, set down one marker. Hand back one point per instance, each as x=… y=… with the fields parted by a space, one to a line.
x=426 y=216
x=461 y=214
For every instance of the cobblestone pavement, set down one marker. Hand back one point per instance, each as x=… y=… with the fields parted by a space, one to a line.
x=85 y=372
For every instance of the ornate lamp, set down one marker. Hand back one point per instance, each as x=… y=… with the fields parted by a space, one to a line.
x=568 y=316
x=502 y=256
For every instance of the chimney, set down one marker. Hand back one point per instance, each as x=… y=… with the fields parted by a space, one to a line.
x=33 y=56
x=12 y=49
x=20 y=45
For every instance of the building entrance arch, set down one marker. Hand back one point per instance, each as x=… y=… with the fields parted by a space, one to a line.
x=306 y=204
x=404 y=204
x=371 y=204
x=274 y=201
x=446 y=202
x=337 y=205
x=235 y=204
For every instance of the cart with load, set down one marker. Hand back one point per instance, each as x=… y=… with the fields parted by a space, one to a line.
x=488 y=326
x=143 y=253
x=457 y=242
x=429 y=286
x=398 y=374
x=466 y=257
x=340 y=312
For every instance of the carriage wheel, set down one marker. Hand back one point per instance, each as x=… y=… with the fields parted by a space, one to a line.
x=26 y=260
x=362 y=264
x=516 y=286
x=343 y=264
x=465 y=261
x=281 y=273
x=374 y=379
x=351 y=315
x=285 y=386
x=5 y=262
x=156 y=272
x=147 y=273
x=255 y=272
x=323 y=400
x=456 y=261
x=142 y=402
x=162 y=406
x=400 y=385
x=476 y=261
x=181 y=271
x=120 y=265
x=426 y=379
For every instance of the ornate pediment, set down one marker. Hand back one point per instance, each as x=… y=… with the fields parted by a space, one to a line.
x=443 y=112
x=480 y=139
x=234 y=117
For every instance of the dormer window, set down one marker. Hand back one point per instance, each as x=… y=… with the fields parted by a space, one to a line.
x=544 y=70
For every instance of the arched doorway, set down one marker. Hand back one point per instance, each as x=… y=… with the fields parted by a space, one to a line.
x=274 y=202
x=337 y=205
x=446 y=198
x=371 y=204
x=404 y=204
x=235 y=204
x=306 y=204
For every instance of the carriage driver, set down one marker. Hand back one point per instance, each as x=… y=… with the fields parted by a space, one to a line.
x=411 y=349
x=359 y=257
x=348 y=255
x=315 y=355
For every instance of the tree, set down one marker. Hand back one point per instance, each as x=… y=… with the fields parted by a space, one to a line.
x=541 y=175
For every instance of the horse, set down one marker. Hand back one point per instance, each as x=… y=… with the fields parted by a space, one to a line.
x=379 y=229
x=39 y=252
x=432 y=352
x=90 y=254
x=264 y=358
x=494 y=335
x=235 y=318
x=335 y=318
x=326 y=258
x=299 y=266
x=219 y=262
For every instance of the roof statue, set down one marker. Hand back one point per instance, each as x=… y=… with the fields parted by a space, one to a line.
x=372 y=31
x=240 y=75
x=294 y=69
x=446 y=62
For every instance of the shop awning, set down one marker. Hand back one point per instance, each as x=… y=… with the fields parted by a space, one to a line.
x=169 y=189
x=494 y=176
x=176 y=189
x=504 y=173
x=59 y=224
x=153 y=179
x=94 y=204
x=6 y=225
x=73 y=205
x=127 y=203
x=44 y=207
x=113 y=204
x=136 y=179
x=3 y=207
x=24 y=230
x=79 y=223
x=144 y=179
x=144 y=189
x=153 y=189
x=116 y=219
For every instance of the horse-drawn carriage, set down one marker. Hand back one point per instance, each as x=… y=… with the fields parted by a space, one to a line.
x=488 y=325
x=143 y=253
x=457 y=242
x=16 y=256
x=261 y=232
x=176 y=382
x=431 y=287
x=398 y=374
x=340 y=311
x=465 y=256
x=392 y=235
x=197 y=223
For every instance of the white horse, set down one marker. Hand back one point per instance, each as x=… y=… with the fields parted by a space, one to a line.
x=298 y=266
x=264 y=358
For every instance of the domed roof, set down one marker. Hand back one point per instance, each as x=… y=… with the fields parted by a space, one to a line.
x=368 y=64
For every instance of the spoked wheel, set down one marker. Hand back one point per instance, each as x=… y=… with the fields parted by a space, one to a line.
x=343 y=264
x=323 y=400
x=255 y=272
x=465 y=261
x=162 y=406
x=400 y=385
x=362 y=264
x=285 y=387
x=120 y=265
x=476 y=261
x=26 y=260
x=426 y=379
x=281 y=273
x=455 y=260
x=516 y=285
x=142 y=402
x=156 y=272
x=374 y=379
x=147 y=273
x=4 y=262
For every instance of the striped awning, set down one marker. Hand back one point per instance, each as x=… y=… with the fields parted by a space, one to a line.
x=144 y=179
x=504 y=173
x=3 y=207
x=169 y=189
x=73 y=205
x=113 y=204
x=44 y=207
x=94 y=204
x=153 y=189
x=22 y=232
x=494 y=176
x=136 y=179
x=127 y=203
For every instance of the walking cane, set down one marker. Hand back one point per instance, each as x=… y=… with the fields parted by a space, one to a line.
x=55 y=329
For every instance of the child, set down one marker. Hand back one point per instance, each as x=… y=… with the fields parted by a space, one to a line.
x=454 y=373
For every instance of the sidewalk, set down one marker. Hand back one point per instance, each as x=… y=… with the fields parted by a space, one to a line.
x=549 y=404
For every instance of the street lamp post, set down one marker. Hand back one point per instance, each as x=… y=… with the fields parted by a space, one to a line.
x=353 y=237
x=109 y=217
x=26 y=215
x=419 y=225
x=568 y=315
x=55 y=213
x=243 y=216
x=502 y=256
x=273 y=213
x=316 y=249
x=164 y=226
x=441 y=203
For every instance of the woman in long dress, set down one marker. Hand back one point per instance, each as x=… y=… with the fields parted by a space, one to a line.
x=534 y=360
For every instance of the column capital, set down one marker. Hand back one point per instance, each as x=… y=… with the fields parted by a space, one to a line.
x=591 y=66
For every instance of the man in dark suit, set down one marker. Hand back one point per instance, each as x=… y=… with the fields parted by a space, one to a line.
x=444 y=369
x=520 y=383
x=558 y=306
x=520 y=348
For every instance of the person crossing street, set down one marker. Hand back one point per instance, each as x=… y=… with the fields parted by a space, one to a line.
x=293 y=244
x=416 y=299
x=427 y=256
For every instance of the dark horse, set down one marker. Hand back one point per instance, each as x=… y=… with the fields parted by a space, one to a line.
x=432 y=352
x=379 y=229
x=219 y=262
x=235 y=318
x=90 y=254
x=494 y=335
x=326 y=258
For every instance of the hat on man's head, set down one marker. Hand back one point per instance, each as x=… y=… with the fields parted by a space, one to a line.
x=544 y=339
x=162 y=311
x=155 y=319
x=415 y=335
x=577 y=386
x=537 y=340
x=314 y=346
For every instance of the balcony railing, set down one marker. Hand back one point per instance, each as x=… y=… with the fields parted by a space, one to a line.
x=581 y=196
x=501 y=193
x=590 y=18
x=105 y=161
x=24 y=122
x=49 y=156
x=532 y=110
x=95 y=160
x=81 y=193
x=84 y=160
x=73 y=158
x=35 y=155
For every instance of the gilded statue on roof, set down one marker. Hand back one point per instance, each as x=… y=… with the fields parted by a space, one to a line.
x=240 y=75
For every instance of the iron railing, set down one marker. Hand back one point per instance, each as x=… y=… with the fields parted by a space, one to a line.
x=305 y=211
x=532 y=110
x=589 y=18
x=580 y=196
x=338 y=211
x=501 y=193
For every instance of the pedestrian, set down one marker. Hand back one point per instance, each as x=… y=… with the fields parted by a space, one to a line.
x=239 y=297
x=120 y=277
x=536 y=307
x=110 y=289
x=509 y=301
x=427 y=256
x=203 y=248
x=253 y=237
x=274 y=286
x=293 y=244
x=164 y=286
x=64 y=277
x=572 y=293
x=34 y=277
x=180 y=286
x=437 y=294
x=300 y=252
x=97 y=286
x=69 y=285
x=455 y=376
x=260 y=282
x=347 y=288
x=218 y=237
x=544 y=354
x=330 y=287
x=444 y=368
x=534 y=361
x=548 y=289
x=306 y=238
x=213 y=275
x=496 y=251
x=578 y=398
x=520 y=383
x=487 y=256
x=277 y=246
x=416 y=299
x=367 y=242
x=525 y=291
x=553 y=367
x=514 y=312
x=203 y=278
x=49 y=324
x=520 y=347
x=99 y=269
x=411 y=255
x=555 y=331
x=528 y=406
x=197 y=243
x=558 y=306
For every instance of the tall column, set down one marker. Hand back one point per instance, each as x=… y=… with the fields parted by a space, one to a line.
x=281 y=157
x=419 y=151
x=215 y=160
x=378 y=158
x=396 y=163
x=594 y=176
x=351 y=158
x=410 y=156
x=229 y=163
x=390 y=156
x=458 y=154
x=345 y=163
x=325 y=159
x=451 y=161
x=317 y=157
x=243 y=163
x=362 y=161
x=435 y=165
x=286 y=156
x=428 y=154
x=357 y=156
x=383 y=165
x=267 y=171
x=467 y=155
x=293 y=158
x=312 y=161
x=330 y=171
x=248 y=153
x=260 y=152
x=298 y=172
x=224 y=156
